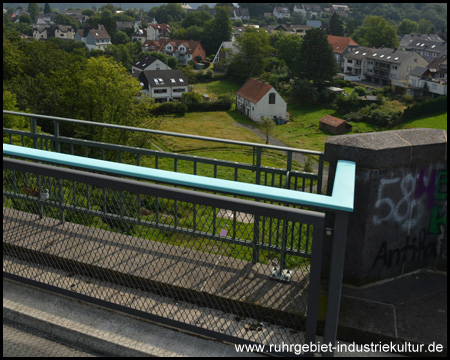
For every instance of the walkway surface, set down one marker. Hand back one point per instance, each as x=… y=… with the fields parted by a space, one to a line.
x=410 y=309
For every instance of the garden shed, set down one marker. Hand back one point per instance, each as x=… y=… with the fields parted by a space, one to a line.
x=334 y=125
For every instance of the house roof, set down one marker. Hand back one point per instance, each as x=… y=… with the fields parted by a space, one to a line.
x=190 y=45
x=332 y=121
x=408 y=38
x=95 y=32
x=162 y=78
x=144 y=61
x=418 y=71
x=100 y=33
x=340 y=43
x=254 y=90
x=395 y=56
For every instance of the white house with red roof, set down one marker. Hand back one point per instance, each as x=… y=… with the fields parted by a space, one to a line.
x=341 y=45
x=95 y=38
x=183 y=50
x=258 y=100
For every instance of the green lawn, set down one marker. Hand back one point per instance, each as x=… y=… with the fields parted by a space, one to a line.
x=302 y=132
x=432 y=122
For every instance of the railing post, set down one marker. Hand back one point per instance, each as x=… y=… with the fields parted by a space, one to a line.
x=335 y=279
x=33 y=129
x=320 y=174
x=57 y=144
x=258 y=165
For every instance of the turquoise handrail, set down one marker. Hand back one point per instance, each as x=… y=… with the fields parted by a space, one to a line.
x=342 y=198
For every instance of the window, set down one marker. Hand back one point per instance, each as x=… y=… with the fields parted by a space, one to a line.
x=272 y=98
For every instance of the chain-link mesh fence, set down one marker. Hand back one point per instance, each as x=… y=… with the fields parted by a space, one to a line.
x=210 y=261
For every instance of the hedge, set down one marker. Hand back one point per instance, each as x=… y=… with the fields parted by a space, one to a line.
x=425 y=107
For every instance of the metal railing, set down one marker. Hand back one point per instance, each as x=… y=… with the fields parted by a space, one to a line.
x=74 y=231
x=289 y=177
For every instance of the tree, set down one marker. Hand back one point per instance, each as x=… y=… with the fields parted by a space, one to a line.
x=316 y=61
x=217 y=30
x=376 y=32
x=47 y=9
x=288 y=46
x=336 y=27
x=425 y=27
x=196 y=18
x=267 y=125
x=254 y=50
x=25 y=18
x=33 y=10
x=172 y=12
x=109 y=96
x=407 y=27
x=120 y=38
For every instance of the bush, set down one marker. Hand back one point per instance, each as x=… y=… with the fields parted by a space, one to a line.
x=355 y=116
x=346 y=104
x=222 y=104
x=384 y=118
x=425 y=107
x=360 y=90
x=170 y=108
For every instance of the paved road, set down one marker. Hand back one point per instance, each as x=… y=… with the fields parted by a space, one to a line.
x=19 y=341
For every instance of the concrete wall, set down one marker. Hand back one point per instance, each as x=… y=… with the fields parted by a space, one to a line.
x=400 y=220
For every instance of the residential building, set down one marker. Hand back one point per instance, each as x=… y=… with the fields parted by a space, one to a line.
x=152 y=32
x=334 y=125
x=341 y=45
x=226 y=50
x=408 y=38
x=163 y=85
x=428 y=49
x=281 y=12
x=122 y=25
x=240 y=14
x=158 y=31
x=76 y=14
x=57 y=31
x=95 y=38
x=380 y=66
x=148 y=62
x=430 y=81
x=258 y=100
x=309 y=10
x=183 y=50
x=299 y=30
x=341 y=10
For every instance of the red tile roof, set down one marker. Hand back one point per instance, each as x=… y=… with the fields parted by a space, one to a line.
x=340 y=43
x=331 y=120
x=254 y=90
x=190 y=45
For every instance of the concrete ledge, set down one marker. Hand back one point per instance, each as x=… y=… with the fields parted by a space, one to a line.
x=101 y=330
x=388 y=148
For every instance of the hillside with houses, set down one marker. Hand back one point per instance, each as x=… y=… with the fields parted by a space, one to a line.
x=367 y=68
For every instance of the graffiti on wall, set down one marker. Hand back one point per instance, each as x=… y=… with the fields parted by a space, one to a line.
x=405 y=202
